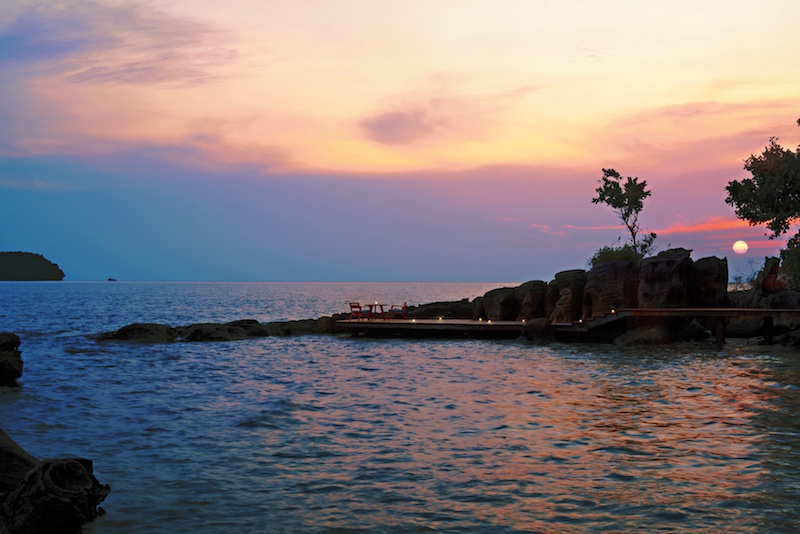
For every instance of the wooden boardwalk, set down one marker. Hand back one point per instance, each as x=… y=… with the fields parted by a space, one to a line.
x=449 y=328
x=617 y=321
x=718 y=314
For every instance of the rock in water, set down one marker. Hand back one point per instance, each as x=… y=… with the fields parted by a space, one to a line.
x=55 y=496
x=10 y=359
x=141 y=333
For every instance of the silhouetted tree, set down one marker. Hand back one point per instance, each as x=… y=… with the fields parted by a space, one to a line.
x=772 y=195
x=627 y=199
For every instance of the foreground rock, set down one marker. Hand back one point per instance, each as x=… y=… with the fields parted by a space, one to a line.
x=46 y=497
x=10 y=359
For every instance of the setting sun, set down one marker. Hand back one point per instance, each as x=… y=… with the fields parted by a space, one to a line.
x=740 y=247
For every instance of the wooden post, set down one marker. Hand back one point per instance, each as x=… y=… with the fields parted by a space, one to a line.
x=719 y=329
x=768 y=327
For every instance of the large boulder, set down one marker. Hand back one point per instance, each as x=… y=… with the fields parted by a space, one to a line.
x=9 y=341
x=537 y=329
x=573 y=280
x=664 y=280
x=531 y=298
x=657 y=334
x=500 y=305
x=609 y=286
x=708 y=283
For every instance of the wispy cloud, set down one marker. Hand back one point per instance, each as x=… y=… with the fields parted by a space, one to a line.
x=93 y=42
x=546 y=229
x=437 y=113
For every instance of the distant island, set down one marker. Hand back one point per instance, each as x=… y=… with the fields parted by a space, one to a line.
x=27 y=266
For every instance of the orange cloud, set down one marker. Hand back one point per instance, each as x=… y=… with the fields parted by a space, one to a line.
x=714 y=224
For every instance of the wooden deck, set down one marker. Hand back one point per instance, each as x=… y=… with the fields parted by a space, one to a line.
x=450 y=328
x=597 y=328
x=718 y=314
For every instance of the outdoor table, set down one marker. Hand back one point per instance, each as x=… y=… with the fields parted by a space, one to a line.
x=373 y=311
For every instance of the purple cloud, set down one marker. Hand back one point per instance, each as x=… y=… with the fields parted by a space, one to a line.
x=91 y=42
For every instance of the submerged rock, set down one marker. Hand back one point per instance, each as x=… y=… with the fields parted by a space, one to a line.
x=141 y=333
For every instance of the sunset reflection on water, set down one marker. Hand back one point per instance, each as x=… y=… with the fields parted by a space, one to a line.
x=530 y=439
x=331 y=433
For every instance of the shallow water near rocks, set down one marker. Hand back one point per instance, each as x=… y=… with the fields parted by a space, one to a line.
x=334 y=434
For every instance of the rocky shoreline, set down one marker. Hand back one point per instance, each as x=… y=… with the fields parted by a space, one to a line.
x=669 y=280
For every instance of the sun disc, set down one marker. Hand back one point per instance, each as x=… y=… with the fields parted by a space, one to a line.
x=740 y=247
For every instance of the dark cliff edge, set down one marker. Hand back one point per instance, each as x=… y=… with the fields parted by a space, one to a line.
x=27 y=266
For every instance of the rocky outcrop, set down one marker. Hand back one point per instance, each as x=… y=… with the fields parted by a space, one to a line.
x=571 y=303
x=531 y=297
x=609 y=286
x=10 y=359
x=669 y=280
x=498 y=305
x=27 y=266
x=664 y=280
x=767 y=291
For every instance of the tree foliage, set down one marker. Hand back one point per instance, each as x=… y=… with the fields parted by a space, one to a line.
x=627 y=199
x=625 y=252
x=772 y=195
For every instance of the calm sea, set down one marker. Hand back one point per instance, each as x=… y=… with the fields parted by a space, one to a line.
x=334 y=434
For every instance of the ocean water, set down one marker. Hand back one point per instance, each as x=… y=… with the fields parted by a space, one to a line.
x=335 y=434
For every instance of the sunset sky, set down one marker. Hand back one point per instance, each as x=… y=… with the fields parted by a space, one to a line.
x=333 y=140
